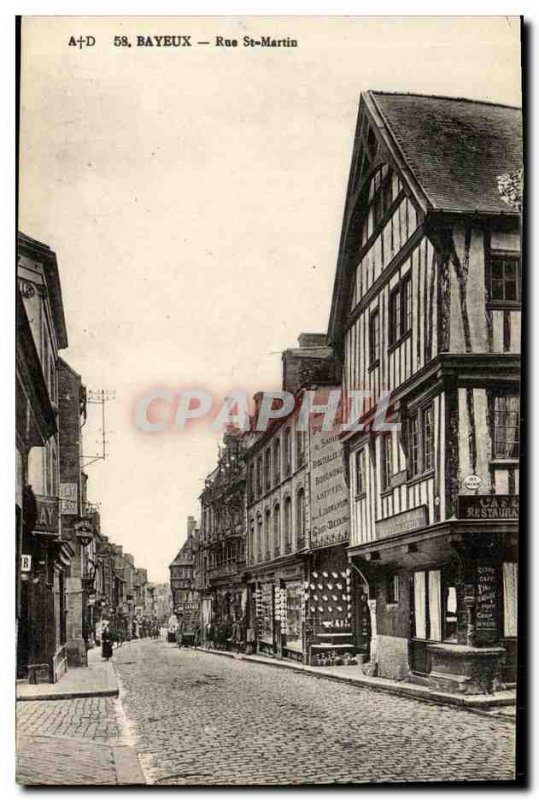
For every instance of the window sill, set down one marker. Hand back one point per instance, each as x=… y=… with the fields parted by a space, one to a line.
x=361 y=496
x=504 y=305
x=418 y=478
x=394 y=345
x=504 y=463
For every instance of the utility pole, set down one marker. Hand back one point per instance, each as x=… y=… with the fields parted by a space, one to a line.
x=99 y=397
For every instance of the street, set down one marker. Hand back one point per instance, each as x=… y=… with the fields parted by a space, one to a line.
x=199 y=718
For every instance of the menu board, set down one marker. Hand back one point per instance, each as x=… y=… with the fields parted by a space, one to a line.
x=486 y=607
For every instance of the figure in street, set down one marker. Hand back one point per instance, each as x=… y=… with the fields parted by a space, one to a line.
x=106 y=644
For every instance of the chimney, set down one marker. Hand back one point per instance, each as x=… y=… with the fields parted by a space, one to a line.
x=299 y=364
x=191 y=525
x=312 y=340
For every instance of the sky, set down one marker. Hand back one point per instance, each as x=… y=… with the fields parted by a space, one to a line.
x=194 y=199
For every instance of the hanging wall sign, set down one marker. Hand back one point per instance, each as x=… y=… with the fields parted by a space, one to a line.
x=69 y=499
x=472 y=482
x=47 y=519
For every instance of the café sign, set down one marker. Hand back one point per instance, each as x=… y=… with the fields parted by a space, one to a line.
x=488 y=506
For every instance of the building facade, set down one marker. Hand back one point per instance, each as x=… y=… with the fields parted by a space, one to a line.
x=426 y=306
x=298 y=523
x=72 y=492
x=220 y=560
x=185 y=597
x=43 y=555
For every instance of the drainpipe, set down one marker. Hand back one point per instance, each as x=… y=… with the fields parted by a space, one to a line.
x=372 y=615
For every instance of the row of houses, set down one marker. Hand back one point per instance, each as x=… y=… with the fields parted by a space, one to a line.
x=70 y=576
x=399 y=545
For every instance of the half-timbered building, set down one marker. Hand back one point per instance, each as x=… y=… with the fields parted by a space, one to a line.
x=427 y=306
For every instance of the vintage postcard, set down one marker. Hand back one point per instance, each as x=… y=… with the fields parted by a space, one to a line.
x=268 y=337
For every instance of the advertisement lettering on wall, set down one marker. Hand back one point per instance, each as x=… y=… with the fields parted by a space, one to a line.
x=330 y=513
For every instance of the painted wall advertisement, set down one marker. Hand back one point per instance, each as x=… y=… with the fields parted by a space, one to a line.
x=330 y=513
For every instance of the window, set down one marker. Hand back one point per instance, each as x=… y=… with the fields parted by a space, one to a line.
x=267 y=469
x=382 y=200
x=387 y=460
x=420 y=442
x=505 y=278
x=374 y=338
x=277 y=461
x=506 y=424
x=413 y=445
x=259 y=476
x=252 y=552
x=300 y=449
x=360 y=472
x=260 y=544
x=428 y=439
x=287 y=524
x=251 y=490
x=300 y=517
x=276 y=530
x=392 y=590
x=267 y=537
x=400 y=310
x=436 y=604
x=287 y=452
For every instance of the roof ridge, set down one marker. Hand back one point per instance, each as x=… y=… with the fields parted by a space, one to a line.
x=444 y=97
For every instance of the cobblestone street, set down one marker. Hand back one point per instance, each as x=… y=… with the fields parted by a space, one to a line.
x=199 y=718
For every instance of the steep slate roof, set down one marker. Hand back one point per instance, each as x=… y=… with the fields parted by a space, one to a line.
x=456 y=148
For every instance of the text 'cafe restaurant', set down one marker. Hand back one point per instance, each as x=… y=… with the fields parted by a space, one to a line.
x=446 y=595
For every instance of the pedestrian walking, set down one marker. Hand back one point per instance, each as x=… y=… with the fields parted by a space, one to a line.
x=106 y=644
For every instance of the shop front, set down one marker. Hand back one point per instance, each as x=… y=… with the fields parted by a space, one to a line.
x=46 y=560
x=445 y=601
x=277 y=611
x=228 y=617
x=334 y=613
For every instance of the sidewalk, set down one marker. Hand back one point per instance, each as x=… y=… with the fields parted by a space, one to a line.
x=80 y=739
x=504 y=701
x=96 y=680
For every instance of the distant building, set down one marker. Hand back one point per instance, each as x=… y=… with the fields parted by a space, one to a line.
x=185 y=598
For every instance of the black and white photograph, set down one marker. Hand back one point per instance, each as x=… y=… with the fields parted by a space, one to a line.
x=268 y=323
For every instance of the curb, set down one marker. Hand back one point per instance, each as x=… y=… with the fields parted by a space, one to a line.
x=406 y=690
x=70 y=695
x=127 y=766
